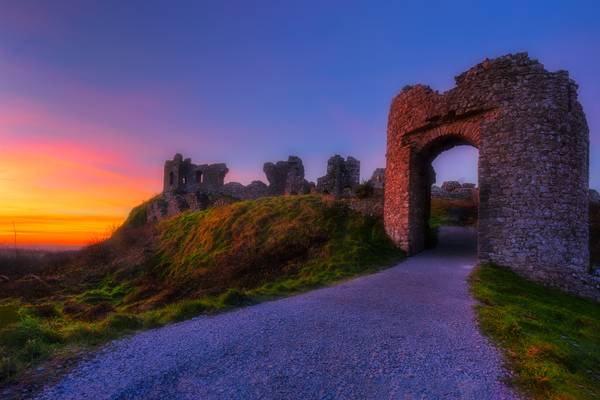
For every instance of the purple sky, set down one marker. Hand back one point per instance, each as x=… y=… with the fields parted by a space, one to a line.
x=245 y=82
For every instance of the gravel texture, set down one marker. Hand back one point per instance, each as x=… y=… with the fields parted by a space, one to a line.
x=408 y=332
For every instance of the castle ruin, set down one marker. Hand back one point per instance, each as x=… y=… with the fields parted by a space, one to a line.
x=181 y=176
x=533 y=140
x=188 y=186
x=342 y=176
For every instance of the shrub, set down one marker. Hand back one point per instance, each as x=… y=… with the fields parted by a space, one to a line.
x=188 y=310
x=364 y=190
x=123 y=322
x=235 y=297
x=28 y=328
x=8 y=366
x=108 y=292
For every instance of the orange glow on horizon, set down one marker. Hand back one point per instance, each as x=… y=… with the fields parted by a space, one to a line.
x=62 y=192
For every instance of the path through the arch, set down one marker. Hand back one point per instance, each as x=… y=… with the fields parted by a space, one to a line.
x=405 y=333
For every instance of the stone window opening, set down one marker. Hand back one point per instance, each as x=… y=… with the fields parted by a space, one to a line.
x=184 y=180
x=171 y=178
x=198 y=176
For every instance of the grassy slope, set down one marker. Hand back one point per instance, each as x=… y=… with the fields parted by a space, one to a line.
x=147 y=276
x=551 y=339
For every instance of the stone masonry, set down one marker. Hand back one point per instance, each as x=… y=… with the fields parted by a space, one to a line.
x=187 y=186
x=342 y=176
x=181 y=176
x=454 y=190
x=286 y=177
x=533 y=141
x=378 y=179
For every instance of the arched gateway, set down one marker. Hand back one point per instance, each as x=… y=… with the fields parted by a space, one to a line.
x=533 y=141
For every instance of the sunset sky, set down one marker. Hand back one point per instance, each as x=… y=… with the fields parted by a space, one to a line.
x=94 y=96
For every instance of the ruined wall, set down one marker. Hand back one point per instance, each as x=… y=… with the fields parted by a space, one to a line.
x=342 y=176
x=286 y=177
x=182 y=176
x=533 y=166
x=378 y=179
x=189 y=187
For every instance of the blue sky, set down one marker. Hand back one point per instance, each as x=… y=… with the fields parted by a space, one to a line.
x=248 y=82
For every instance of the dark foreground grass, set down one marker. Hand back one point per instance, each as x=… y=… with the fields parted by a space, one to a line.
x=195 y=263
x=551 y=340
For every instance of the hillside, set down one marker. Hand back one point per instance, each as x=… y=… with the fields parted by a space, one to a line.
x=147 y=275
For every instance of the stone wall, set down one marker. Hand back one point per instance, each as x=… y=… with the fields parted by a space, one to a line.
x=187 y=186
x=182 y=176
x=533 y=139
x=342 y=177
x=594 y=196
x=286 y=177
x=454 y=190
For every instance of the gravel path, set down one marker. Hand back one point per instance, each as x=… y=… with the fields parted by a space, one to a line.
x=405 y=333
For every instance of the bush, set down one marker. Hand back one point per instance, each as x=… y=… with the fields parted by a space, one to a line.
x=28 y=328
x=108 y=292
x=8 y=366
x=235 y=297
x=124 y=322
x=188 y=310
x=364 y=190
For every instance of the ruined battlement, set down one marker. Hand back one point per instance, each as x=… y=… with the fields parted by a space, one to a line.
x=342 y=176
x=182 y=176
x=188 y=186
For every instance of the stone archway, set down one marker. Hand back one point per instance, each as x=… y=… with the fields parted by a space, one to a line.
x=533 y=141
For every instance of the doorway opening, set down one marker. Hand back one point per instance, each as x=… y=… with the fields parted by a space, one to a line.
x=452 y=195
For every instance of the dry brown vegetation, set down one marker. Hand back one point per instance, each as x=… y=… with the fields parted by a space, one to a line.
x=147 y=275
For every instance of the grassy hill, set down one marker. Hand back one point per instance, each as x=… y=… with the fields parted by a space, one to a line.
x=147 y=275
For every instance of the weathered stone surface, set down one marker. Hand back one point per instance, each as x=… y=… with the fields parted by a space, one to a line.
x=234 y=189
x=378 y=178
x=342 y=176
x=181 y=176
x=450 y=186
x=594 y=196
x=453 y=190
x=253 y=191
x=172 y=203
x=286 y=177
x=533 y=143
x=187 y=186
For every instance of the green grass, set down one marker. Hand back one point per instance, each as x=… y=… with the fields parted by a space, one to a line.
x=551 y=340
x=195 y=263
